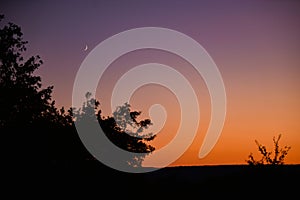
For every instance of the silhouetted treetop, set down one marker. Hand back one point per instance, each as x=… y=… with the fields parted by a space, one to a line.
x=31 y=121
x=123 y=129
x=22 y=98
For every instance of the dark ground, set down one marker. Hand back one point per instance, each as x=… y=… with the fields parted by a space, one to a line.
x=230 y=181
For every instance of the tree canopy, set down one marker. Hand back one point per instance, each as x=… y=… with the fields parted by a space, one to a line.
x=123 y=129
x=23 y=100
x=33 y=123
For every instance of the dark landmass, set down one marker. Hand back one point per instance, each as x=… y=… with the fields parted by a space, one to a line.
x=185 y=182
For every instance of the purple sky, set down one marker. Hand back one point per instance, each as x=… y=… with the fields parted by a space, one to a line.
x=231 y=31
x=255 y=45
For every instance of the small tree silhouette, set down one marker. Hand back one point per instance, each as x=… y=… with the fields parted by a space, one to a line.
x=123 y=129
x=278 y=158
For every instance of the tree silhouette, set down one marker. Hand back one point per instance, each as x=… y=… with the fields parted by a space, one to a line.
x=22 y=100
x=31 y=123
x=278 y=158
x=122 y=129
x=126 y=121
x=24 y=105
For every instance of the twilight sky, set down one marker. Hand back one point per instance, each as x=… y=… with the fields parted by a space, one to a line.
x=255 y=45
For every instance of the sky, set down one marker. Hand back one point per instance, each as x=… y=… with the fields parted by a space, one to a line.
x=255 y=45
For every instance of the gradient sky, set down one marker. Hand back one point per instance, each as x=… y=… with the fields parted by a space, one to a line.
x=255 y=45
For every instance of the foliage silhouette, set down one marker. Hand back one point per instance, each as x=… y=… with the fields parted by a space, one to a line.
x=116 y=128
x=26 y=108
x=278 y=158
x=35 y=128
x=22 y=98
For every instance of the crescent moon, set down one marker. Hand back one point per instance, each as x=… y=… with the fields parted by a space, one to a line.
x=86 y=48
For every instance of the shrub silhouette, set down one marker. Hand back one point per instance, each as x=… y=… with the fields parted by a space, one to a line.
x=279 y=154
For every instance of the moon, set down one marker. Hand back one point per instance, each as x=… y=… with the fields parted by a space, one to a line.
x=85 y=48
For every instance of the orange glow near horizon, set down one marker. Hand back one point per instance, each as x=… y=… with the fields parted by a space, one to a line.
x=259 y=107
x=255 y=45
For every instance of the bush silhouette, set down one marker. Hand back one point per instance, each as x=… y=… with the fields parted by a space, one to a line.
x=279 y=154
